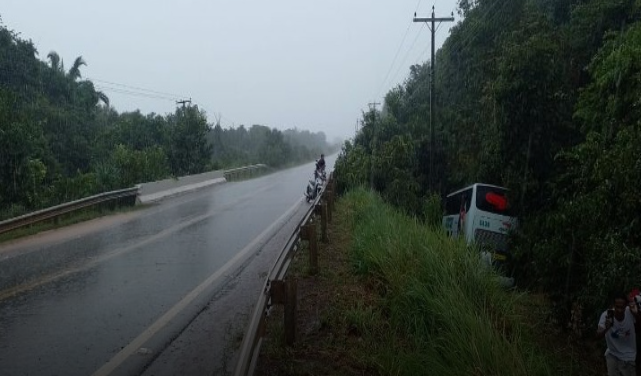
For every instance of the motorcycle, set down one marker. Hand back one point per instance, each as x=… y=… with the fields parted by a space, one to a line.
x=314 y=185
x=321 y=170
x=323 y=175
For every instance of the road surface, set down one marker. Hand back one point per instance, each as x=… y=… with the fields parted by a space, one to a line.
x=162 y=291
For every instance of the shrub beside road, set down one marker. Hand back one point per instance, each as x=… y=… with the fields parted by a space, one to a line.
x=394 y=297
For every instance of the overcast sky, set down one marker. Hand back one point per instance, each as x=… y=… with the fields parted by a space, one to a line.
x=282 y=63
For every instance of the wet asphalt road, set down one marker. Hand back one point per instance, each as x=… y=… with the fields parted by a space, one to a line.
x=164 y=292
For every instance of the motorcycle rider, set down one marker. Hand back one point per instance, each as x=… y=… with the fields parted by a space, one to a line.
x=320 y=164
x=315 y=184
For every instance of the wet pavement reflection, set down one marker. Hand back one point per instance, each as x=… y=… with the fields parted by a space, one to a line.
x=69 y=307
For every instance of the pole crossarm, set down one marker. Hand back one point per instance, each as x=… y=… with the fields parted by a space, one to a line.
x=435 y=19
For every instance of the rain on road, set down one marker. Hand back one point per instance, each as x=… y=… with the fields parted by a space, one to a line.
x=110 y=301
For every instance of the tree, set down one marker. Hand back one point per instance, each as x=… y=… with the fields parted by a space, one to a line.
x=57 y=65
x=189 y=150
x=74 y=71
x=22 y=147
x=58 y=143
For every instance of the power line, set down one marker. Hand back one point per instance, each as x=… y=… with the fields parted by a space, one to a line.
x=107 y=86
x=462 y=43
x=134 y=93
x=394 y=60
x=148 y=93
x=402 y=64
x=130 y=90
x=172 y=95
x=397 y=52
x=422 y=55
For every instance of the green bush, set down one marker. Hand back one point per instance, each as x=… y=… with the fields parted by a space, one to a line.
x=447 y=312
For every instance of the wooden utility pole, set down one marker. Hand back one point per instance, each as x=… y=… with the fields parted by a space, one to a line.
x=432 y=28
x=184 y=101
x=372 y=107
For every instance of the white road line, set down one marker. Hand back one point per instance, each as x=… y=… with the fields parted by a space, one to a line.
x=137 y=343
x=13 y=291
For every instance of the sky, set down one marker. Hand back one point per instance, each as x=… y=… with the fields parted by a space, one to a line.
x=283 y=64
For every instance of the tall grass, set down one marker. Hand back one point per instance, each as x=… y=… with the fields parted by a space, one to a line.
x=448 y=313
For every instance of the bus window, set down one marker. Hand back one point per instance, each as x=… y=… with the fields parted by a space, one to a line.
x=454 y=202
x=452 y=205
x=492 y=200
x=457 y=206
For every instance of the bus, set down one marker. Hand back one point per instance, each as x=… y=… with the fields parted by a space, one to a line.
x=482 y=215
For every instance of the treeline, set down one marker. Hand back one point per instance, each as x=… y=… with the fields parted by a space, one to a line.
x=541 y=96
x=260 y=144
x=60 y=140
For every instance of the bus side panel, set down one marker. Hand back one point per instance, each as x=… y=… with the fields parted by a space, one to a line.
x=469 y=225
x=450 y=224
x=491 y=232
x=494 y=222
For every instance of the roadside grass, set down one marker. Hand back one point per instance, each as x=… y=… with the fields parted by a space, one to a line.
x=67 y=220
x=394 y=297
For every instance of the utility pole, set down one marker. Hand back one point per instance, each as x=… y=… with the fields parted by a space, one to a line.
x=184 y=101
x=432 y=28
x=372 y=107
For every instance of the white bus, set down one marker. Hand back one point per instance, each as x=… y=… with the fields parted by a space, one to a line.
x=480 y=213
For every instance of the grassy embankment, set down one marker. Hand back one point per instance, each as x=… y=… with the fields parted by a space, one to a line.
x=394 y=297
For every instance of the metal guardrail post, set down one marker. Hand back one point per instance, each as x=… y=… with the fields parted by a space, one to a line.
x=324 y=212
x=330 y=204
x=313 y=248
x=250 y=348
x=308 y=233
x=290 y=311
x=285 y=293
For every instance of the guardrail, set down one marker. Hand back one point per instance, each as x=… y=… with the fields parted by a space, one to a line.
x=279 y=290
x=244 y=172
x=58 y=210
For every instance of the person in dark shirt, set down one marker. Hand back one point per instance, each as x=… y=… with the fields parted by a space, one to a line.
x=320 y=164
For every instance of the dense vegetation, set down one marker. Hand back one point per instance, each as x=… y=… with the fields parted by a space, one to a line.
x=394 y=297
x=440 y=310
x=60 y=140
x=541 y=96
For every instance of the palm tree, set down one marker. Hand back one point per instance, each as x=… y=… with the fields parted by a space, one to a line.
x=74 y=72
x=90 y=94
x=103 y=97
x=56 y=62
x=58 y=65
